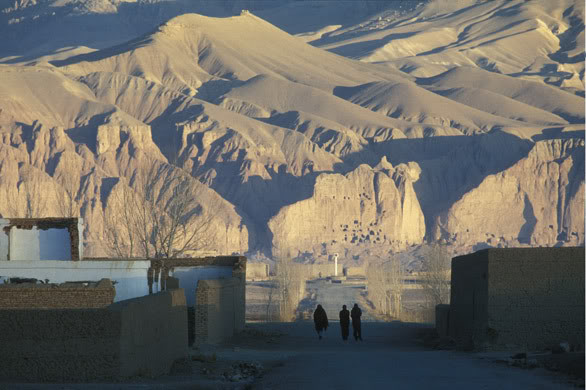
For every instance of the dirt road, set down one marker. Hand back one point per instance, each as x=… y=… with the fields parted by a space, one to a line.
x=389 y=358
x=291 y=357
x=332 y=296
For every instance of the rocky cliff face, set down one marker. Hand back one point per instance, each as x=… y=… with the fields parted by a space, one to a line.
x=512 y=207
x=368 y=205
x=48 y=175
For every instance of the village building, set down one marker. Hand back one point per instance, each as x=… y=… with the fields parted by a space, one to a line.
x=105 y=318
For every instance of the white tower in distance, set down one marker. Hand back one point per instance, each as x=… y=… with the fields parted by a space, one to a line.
x=335 y=264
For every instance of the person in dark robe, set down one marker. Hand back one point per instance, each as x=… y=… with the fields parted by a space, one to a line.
x=345 y=322
x=320 y=320
x=356 y=325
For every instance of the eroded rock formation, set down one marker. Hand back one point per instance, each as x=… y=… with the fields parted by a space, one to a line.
x=371 y=205
x=542 y=208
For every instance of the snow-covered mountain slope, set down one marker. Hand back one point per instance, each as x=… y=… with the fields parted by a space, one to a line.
x=399 y=115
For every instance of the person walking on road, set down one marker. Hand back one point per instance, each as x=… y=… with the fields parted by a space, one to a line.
x=356 y=326
x=320 y=318
x=345 y=322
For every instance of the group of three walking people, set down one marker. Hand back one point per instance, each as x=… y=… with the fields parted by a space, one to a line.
x=320 y=319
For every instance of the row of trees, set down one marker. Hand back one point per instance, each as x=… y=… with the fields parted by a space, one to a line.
x=287 y=289
x=386 y=283
x=436 y=275
x=385 y=287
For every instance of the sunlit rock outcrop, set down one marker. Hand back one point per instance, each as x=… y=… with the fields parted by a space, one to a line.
x=374 y=205
x=538 y=201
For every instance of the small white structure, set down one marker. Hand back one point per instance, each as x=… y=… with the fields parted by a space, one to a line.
x=335 y=264
x=28 y=239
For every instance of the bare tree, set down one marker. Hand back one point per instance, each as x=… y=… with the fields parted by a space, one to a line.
x=436 y=274
x=181 y=226
x=385 y=287
x=158 y=215
x=121 y=219
x=271 y=294
x=290 y=282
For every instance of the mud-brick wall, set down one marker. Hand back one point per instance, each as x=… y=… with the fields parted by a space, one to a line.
x=216 y=317
x=536 y=296
x=153 y=332
x=257 y=271
x=354 y=271
x=59 y=345
x=512 y=298
x=57 y=296
x=314 y=271
x=239 y=276
x=468 y=314
x=142 y=336
x=324 y=270
x=191 y=271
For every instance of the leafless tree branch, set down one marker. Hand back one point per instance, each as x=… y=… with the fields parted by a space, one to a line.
x=160 y=214
x=385 y=287
x=436 y=272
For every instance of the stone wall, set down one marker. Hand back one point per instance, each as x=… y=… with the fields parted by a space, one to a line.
x=57 y=296
x=141 y=336
x=529 y=298
x=537 y=296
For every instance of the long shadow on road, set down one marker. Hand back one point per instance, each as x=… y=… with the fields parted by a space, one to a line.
x=302 y=337
x=390 y=357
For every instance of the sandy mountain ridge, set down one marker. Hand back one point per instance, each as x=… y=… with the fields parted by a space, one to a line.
x=282 y=132
x=534 y=40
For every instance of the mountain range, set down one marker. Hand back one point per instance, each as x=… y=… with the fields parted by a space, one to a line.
x=311 y=127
